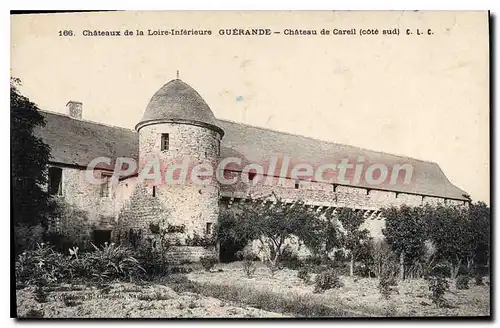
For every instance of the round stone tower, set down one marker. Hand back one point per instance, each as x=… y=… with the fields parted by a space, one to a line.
x=179 y=132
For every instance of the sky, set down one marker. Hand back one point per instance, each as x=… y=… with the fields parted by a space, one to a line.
x=424 y=96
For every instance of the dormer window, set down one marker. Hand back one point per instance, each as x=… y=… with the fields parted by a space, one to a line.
x=164 y=141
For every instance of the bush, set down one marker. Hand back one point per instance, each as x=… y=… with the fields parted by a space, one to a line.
x=462 y=282
x=43 y=266
x=387 y=280
x=438 y=285
x=304 y=274
x=327 y=280
x=273 y=267
x=478 y=280
x=208 y=262
x=290 y=260
x=248 y=264
x=111 y=262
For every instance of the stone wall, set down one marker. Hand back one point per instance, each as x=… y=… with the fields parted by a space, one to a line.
x=188 y=203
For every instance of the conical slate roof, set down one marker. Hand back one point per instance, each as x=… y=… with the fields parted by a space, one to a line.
x=178 y=102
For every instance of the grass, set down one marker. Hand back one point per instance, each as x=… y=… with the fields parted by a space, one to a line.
x=294 y=304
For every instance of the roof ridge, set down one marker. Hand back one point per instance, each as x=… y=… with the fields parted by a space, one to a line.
x=87 y=121
x=328 y=142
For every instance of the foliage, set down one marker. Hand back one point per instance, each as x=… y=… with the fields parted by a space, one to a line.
x=67 y=226
x=208 y=262
x=327 y=280
x=479 y=224
x=109 y=262
x=272 y=224
x=290 y=259
x=354 y=240
x=197 y=240
x=176 y=228
x=404 y=232
x=451 y=232
x=29 y=159
x=249 y=268
x=323 y=238
x=272 y=266
x=28 y=236
x=462 y=282
x=387 y=279
x=438 y=285
x=303 y=274
x=43 y=265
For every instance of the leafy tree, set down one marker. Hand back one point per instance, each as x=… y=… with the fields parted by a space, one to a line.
x=453 y=234
x=479 y=224
x=404 y=232
x=273 y=223
x=354 y=239
x=29 y=159
x=326 y=239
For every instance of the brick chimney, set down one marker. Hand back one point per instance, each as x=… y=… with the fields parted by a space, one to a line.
x=75 y=109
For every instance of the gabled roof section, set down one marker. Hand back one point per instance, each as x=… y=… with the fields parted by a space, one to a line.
x=77 y=142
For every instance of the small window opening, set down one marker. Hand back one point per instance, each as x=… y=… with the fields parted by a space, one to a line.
x=55 y=181
x=105 y=184
x=208 y=229
x=164 y=141
x=251 y=175
x=154 y=191
x=296 y=185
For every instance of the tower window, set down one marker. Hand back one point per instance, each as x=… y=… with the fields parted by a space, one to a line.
x=154 y=191
x=55 y=181
x=251 y=175
x=208 y=229
x=296 y=185
x=164 y=141
x=105 y=184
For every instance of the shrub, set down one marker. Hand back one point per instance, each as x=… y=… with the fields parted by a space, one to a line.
x=111 y=262
x=327 y=280
x=478 y=280
x=290 y=260
x=438 y=285
x=273 y=267
x=249 y=267
x=208 y=262
x=462 y=282
x=41 y=266
x=387 y=280
x=304 y=274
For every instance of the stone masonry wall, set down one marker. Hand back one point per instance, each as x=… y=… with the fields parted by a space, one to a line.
x=188 y=203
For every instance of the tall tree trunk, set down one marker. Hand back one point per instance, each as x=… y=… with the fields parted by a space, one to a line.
x=351 y=266
x=402 y=266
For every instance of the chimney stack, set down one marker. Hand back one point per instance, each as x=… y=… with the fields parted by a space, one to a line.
x=75 y=109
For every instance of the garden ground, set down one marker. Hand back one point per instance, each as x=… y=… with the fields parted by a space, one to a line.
x=226 y=291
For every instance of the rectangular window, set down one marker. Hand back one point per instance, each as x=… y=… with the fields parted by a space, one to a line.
x=164 y=141
x=55 y=181
x=296 y=185
x=105 y=185
x=208 y=229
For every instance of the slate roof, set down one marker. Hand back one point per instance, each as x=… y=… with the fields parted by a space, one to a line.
x=178 y=102
x=77 y=142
